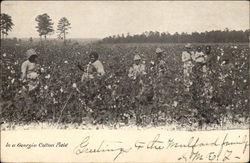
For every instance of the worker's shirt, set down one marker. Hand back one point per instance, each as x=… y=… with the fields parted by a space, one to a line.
x=98 y=66
x=161 y=66
x=93 y=69
x=30 y=70
x=226 y=73
x=199 y=57
x=136 y=70
x=187 y=57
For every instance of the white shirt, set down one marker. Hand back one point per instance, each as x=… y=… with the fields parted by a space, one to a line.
x=199 y=57
x=187 y=57
x=92 y=68
x=99 y=67
x=136 y=70
x=29 y=70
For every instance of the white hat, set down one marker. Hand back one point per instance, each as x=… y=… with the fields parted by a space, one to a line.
x=137 y=57
x=159 y=50
x=30 y=52
x=188 y=45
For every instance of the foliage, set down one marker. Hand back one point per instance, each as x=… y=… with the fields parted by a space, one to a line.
x=5 y=24
x=113 y=99
x=44 y=25
x=63 y=26
x=215 y=36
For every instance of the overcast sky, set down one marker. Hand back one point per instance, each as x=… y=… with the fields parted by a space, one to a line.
x=100 y=19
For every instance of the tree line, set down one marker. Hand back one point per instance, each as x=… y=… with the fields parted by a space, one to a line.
x=44 y=26
x=214 y=36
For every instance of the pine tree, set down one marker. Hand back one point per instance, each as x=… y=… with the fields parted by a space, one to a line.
x=5 y=24
x=62 y=27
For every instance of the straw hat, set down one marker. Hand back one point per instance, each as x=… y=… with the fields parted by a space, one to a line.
x=137 y=57
x=159 y=50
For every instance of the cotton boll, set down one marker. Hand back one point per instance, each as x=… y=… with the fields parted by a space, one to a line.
x=32 y=75
x=61 y=90
x=12 y=81
x=175 y=103
x=74 y=85
x=42 y=70
x=47 y=76
x=223 y=62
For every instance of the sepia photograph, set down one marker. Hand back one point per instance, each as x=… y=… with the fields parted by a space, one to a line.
x=121 y=66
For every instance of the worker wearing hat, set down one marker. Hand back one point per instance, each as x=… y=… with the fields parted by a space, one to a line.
x=137 y=69
x=30 y=70
x=198 y=76
x=160 y=63
x=136 y=74
x=158 y=70
x=187 y=60
x=157 y=64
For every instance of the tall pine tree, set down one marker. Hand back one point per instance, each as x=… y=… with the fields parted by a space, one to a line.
x=62 y=27
x=5 y=24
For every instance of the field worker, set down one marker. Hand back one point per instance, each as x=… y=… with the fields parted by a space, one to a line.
x=160 y=63
x=225 y=92
x=187 y=56
x=30 y=70
x=198 y=76
x=136 y=72
x=209 y=73
x=199 y=56
x=95 y=68
x=157 y=65
x=138 y=68
x=158 y=69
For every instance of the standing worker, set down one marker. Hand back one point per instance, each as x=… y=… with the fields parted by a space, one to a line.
x=30 y=71
x=158 y=70
x=138 y=68
x=136 y=73
x=210 y=74
x=198 y=76
x=187 y=56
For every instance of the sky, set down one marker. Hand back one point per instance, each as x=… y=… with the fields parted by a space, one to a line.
x=99 y=19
